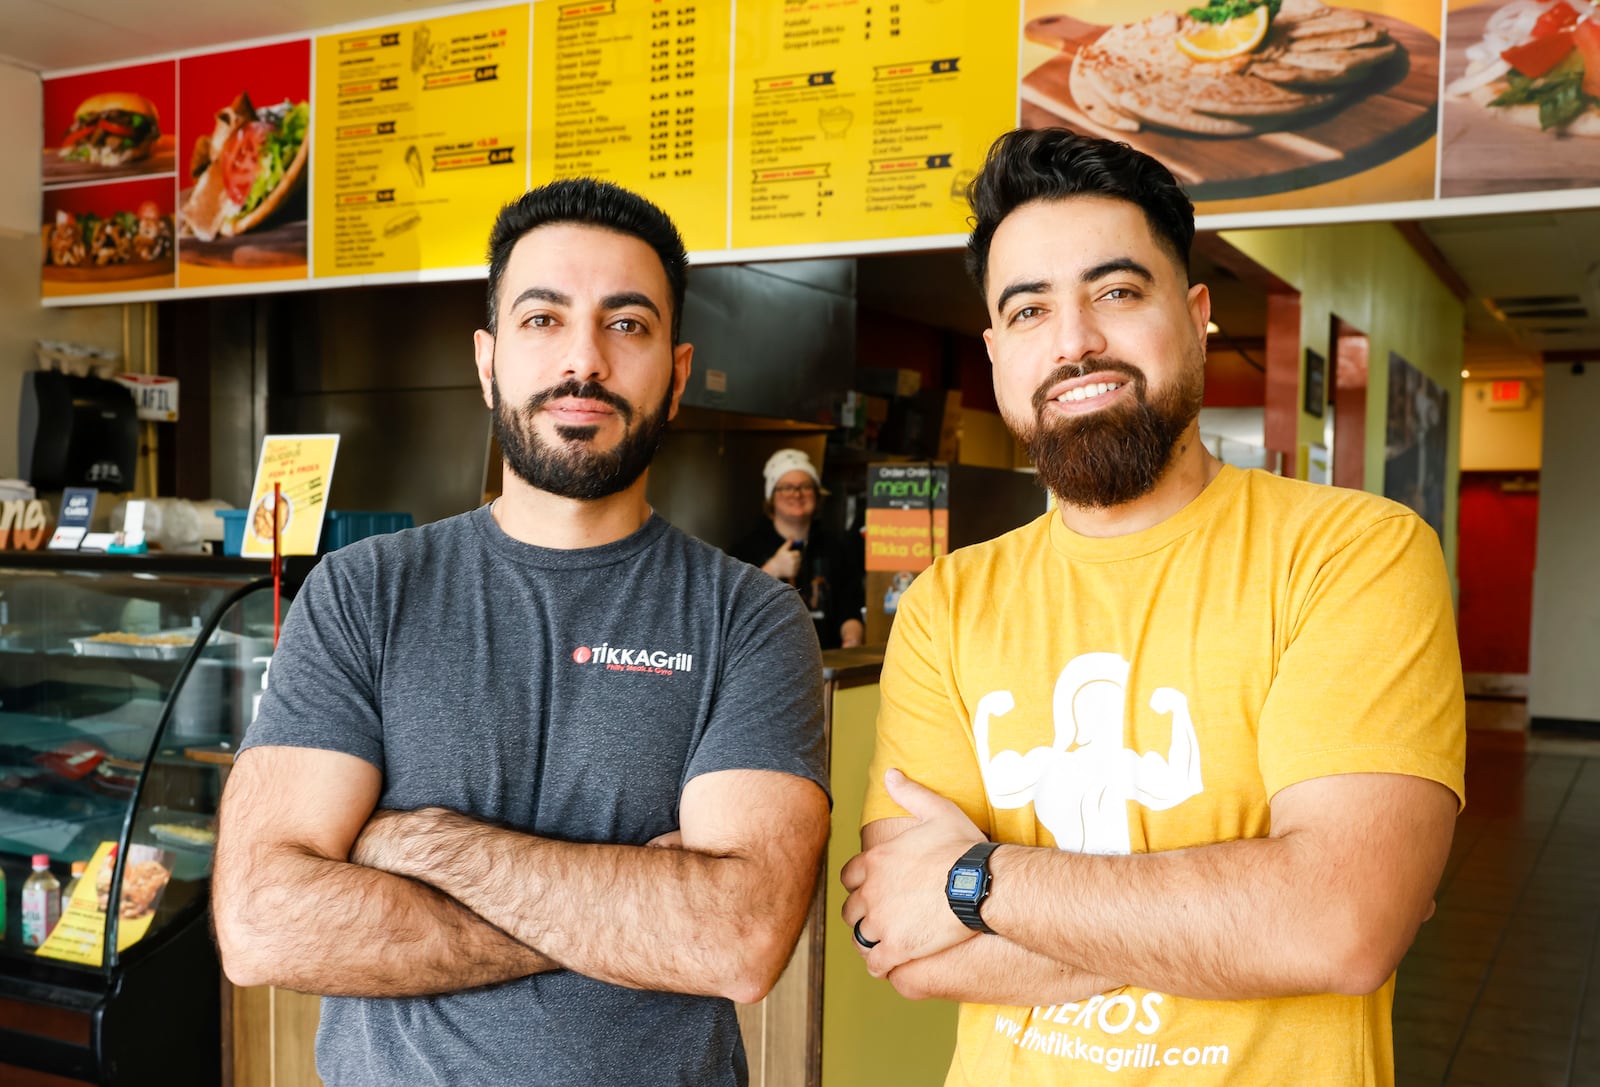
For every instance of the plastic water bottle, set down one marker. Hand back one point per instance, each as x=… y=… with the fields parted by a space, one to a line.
x=78 y=868
x=41 y=902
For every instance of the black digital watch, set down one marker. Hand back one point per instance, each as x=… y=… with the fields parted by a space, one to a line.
x=968 y=885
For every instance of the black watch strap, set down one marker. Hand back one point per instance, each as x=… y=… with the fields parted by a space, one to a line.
x=968 y=884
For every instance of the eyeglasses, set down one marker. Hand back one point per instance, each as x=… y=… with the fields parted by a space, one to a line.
x=795 y=488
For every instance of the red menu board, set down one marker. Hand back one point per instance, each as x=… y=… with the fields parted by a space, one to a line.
x=244 y=145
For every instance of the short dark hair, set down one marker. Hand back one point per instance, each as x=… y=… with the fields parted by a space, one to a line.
x=588 y=202
x=1026 y=165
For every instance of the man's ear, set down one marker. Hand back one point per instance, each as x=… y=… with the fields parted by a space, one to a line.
x=1200 y=309
x=483 y=356
x=682 y=355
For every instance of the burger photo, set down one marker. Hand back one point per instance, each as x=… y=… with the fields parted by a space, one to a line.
x=112 y=129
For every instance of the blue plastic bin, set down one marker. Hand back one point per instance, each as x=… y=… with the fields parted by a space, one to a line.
x=342 y=527
x=232 y=530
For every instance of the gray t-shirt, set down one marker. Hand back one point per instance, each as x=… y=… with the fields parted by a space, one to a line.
x=567 y=694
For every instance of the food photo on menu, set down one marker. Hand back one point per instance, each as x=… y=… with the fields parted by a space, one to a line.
x=96 y=238
x=244 y=137
x=247 y=170
x=1522 y=102
x=1240 y=98
x=109 y=125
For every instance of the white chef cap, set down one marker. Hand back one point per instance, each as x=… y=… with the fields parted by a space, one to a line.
x=785 y=461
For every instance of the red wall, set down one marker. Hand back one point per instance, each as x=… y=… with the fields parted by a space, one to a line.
x=1499 y=529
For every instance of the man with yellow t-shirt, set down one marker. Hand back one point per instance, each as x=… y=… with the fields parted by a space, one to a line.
x=1165 y=780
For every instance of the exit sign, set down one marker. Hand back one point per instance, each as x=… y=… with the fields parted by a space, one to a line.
x=1507 y=395
x=154 y=396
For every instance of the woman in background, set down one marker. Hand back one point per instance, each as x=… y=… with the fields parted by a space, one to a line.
x=824 y=566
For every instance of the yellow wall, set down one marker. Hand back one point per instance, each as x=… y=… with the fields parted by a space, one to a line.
x=1506 y=440
x=871 y=1036
x=1368 y=275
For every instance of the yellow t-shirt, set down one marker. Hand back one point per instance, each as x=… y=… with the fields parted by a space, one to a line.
x=1152 y=692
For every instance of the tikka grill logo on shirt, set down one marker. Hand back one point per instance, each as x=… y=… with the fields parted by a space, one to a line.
x=634 y=660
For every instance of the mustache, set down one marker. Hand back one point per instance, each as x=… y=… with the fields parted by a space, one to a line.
x=1067 y=371
x=579 y=390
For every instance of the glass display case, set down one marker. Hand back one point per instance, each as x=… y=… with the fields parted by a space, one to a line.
x=125 y=685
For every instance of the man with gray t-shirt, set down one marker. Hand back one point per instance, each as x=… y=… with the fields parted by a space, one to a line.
x=535 y=792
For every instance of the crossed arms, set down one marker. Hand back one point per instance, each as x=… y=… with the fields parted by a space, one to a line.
x=1329 y=902
x=317 y=891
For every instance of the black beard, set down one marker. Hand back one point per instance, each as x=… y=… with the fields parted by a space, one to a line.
x=571 y=469
x=1117 y=454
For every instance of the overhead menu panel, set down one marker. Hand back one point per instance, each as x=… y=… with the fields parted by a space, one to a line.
x=858 y=119
x=636 y=92
x=422 y=128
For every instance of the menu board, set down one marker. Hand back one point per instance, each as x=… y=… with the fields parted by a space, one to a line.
x=788 y=128
x=635 y=92
x=423 y=129
x=860 y=119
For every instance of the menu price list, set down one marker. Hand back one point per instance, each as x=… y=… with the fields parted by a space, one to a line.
x=426 y=123
x=637 y=94
x=860 y=119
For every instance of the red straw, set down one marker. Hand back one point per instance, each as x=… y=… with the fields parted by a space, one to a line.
x=277 y=562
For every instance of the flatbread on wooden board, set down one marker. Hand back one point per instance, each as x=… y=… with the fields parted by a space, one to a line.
x=1095 y=105
x=1586 y=124
x=1133 y=74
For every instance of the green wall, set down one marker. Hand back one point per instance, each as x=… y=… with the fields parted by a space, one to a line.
x=1368 y=275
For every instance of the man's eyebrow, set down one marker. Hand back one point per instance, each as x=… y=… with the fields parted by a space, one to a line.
x=541 y=294
x=1110 y=267
x=1038 y=286
x=629 y=298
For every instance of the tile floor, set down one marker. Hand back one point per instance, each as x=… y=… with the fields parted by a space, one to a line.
x=1502 y=988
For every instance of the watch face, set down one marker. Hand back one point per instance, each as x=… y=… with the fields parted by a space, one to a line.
x=964 y=883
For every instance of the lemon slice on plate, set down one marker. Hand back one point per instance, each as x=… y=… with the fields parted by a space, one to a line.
x=1219 y=41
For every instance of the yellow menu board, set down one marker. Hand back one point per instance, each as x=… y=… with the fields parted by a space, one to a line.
x=862 y=119
x=419 y=135
x=636 y=92
x=80 y=935
x=301 y=465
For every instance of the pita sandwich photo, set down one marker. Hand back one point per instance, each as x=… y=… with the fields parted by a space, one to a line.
x=1240 y=98
x=244 y=167
x=246 y=170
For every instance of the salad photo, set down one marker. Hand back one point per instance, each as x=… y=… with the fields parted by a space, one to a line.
x=1521 y=108
x=1538 y=66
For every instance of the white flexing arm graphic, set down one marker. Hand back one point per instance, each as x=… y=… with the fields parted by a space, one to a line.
x=1081 y=784
x=1009 y=777
x=1165 y=783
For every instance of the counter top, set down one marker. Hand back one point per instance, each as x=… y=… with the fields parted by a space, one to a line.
x=860 y=664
